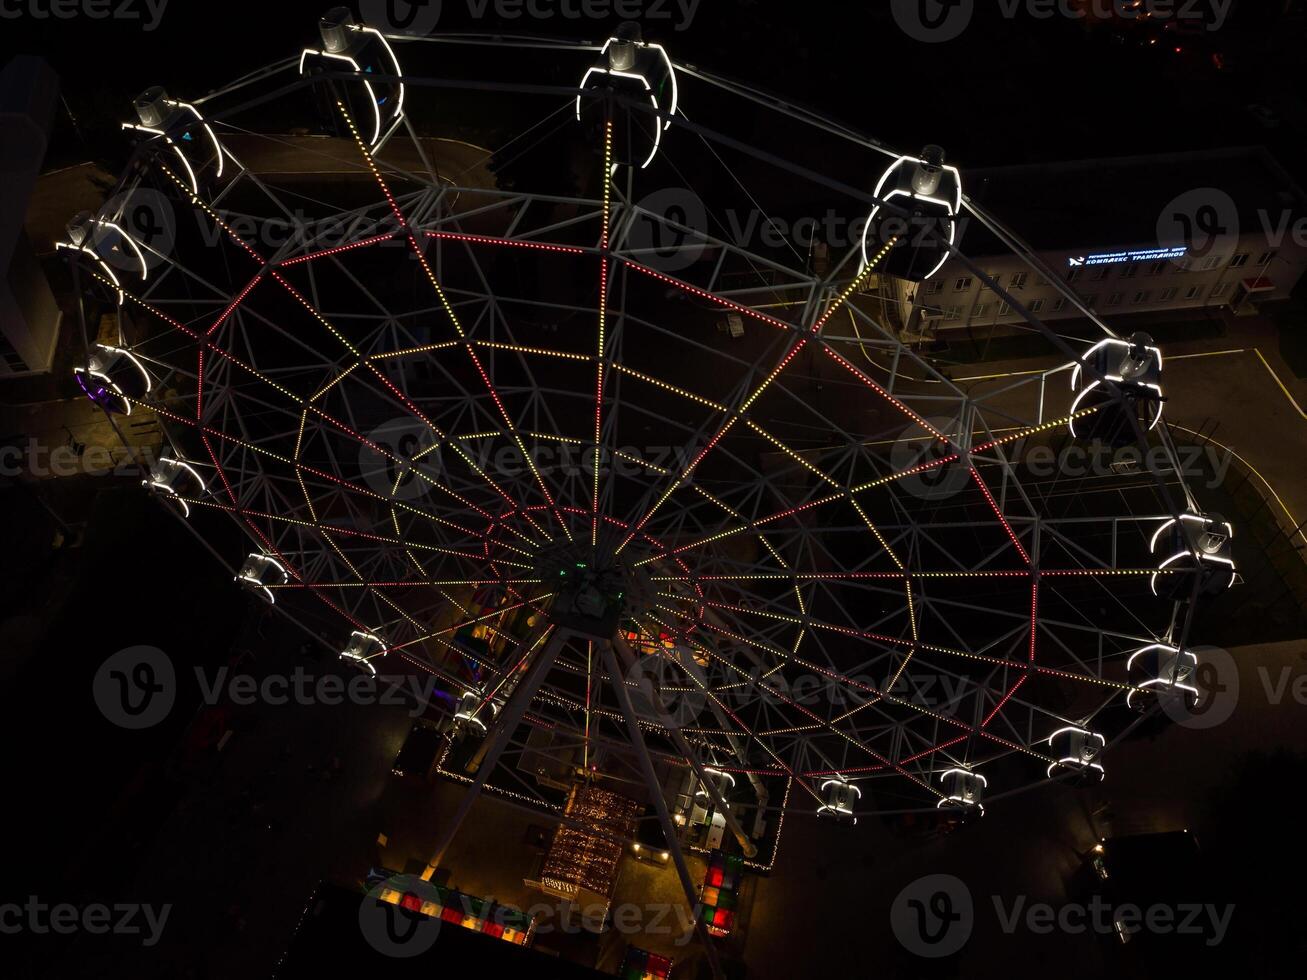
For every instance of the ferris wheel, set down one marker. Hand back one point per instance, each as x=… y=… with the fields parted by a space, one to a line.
x=640 y=496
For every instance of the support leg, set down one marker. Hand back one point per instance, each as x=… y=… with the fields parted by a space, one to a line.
x=615 y=677
x=499 y=734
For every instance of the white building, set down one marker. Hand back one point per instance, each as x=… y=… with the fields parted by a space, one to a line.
x=1225 y=228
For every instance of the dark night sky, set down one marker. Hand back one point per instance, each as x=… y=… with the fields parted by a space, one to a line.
x=1007 y=91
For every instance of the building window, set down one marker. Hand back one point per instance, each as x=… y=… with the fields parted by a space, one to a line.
x=951 y=313
x=1157 y=268
x=1019 y=279
x=1266 y=258
x=1215 y=262
x=1141 y=297
x=1194 y=292
x=1130 y=271
x=1115 y=299
x=980 y=310
x=1090 y=300
x=1099 y=274
x=1073 y=275
x=1004 y=309
x=1059 y=304
x=1240 y=260
x=1036 y=305
x=1220 y=290
x=1168 y=294
x=962 y=285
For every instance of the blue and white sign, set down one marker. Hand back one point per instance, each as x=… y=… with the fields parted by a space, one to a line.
x=1121 y=258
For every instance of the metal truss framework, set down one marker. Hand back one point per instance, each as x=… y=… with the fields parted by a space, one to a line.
x=815 y=613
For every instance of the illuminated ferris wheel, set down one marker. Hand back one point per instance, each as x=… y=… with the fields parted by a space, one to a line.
x=642 y=498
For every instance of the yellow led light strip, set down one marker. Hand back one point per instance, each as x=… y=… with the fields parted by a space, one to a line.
x=603 y=322
x=453 y=318
x=344 y=341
